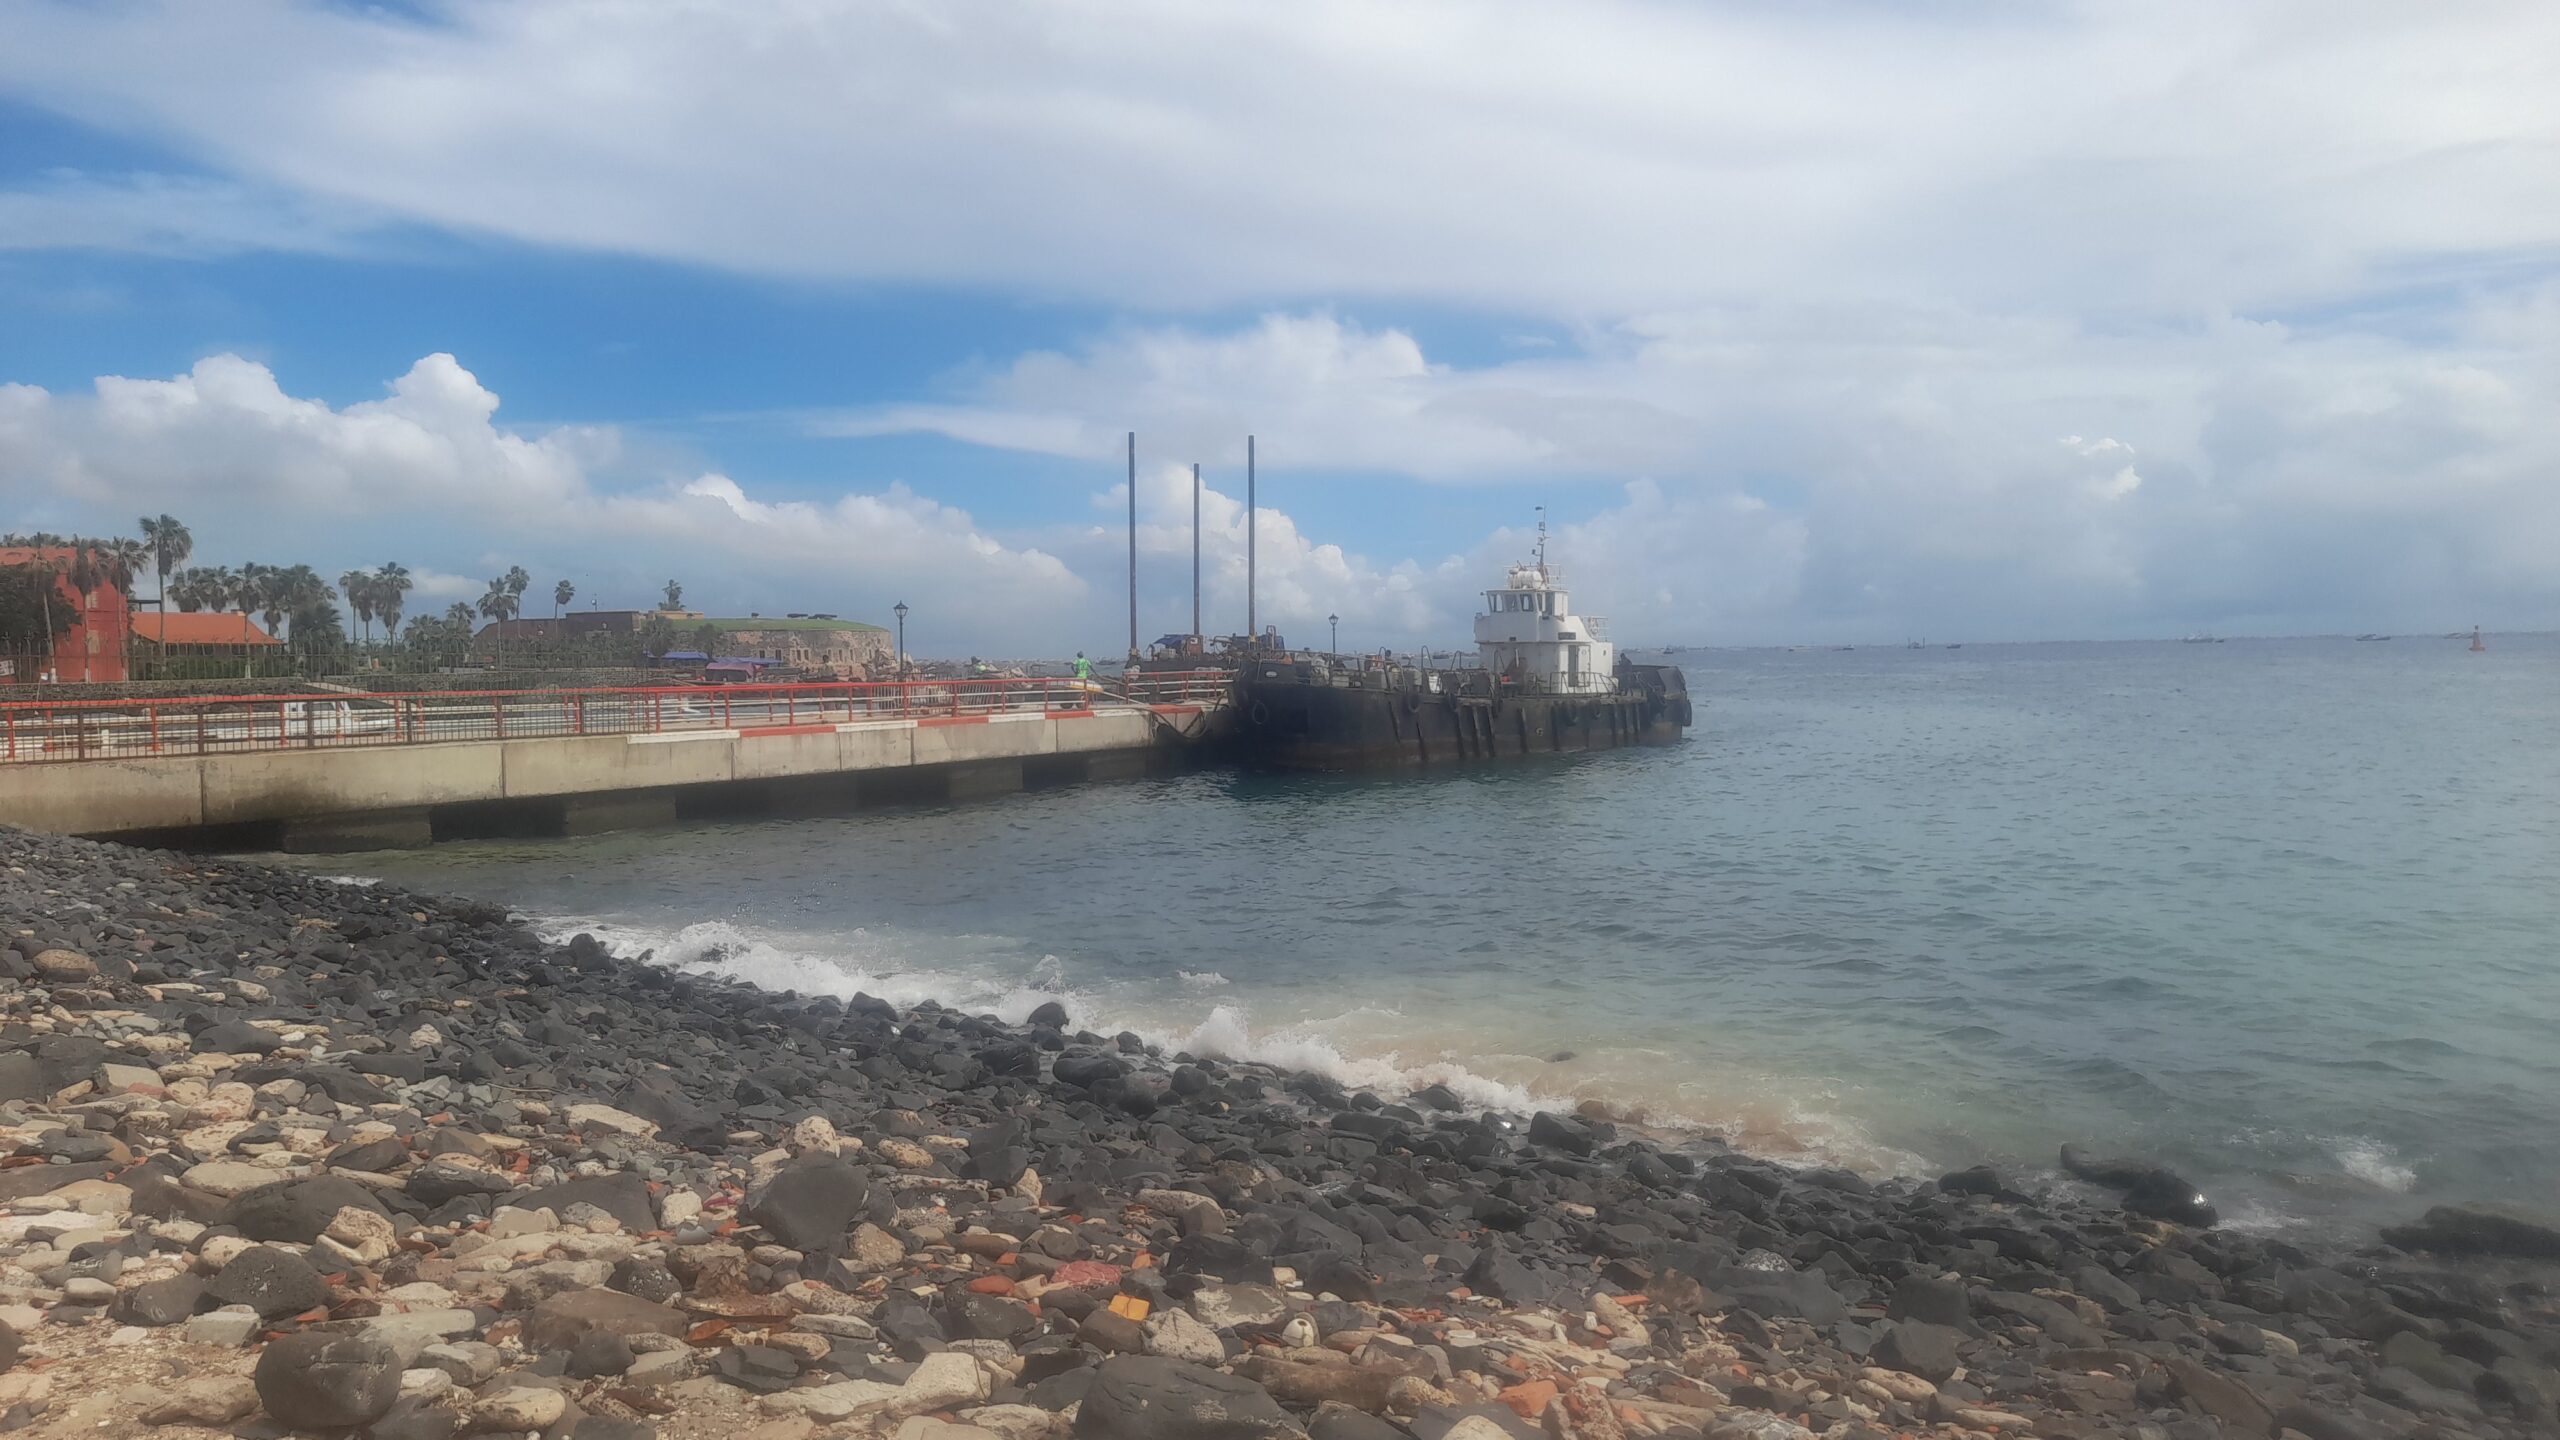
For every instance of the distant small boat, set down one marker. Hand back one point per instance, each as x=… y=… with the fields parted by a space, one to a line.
x=2373 y=637
x=1957 y=646
x=2200 y=639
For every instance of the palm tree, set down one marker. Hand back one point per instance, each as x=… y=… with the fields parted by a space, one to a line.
x=260 y=591
x=87 y=570
x=517 y=582
x=305 y=592
x=561 y=595
x=223 y=589
x=123 y=559
x=357 y=586
x=170 y=544
x=391 y=593
x=500 y=605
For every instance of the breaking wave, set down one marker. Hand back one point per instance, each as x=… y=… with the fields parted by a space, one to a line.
x=2374 y=1163
x=1369 y=1047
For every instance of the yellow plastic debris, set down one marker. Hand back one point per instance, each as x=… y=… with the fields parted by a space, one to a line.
x=1128 y=1307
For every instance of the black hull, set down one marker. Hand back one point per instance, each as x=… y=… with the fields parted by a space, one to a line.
x=1284 y=723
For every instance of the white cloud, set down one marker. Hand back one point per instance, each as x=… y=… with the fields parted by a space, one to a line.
x=1608 y=158
x=427 y=476
x=1792 y=472
x=1828 y=283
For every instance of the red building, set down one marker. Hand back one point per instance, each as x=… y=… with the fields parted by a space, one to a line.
x=93 y=649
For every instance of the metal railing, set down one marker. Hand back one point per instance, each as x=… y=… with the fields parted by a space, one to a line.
x=36 y=731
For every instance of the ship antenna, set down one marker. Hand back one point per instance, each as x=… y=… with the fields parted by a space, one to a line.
x=1542 y=542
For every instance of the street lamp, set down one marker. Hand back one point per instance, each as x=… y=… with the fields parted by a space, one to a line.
x=1336 y=622
x=900 y=610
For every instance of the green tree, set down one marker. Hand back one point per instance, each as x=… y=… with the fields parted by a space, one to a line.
x=500 y=603
x=123 y=559
x=657 y=637
x=517 y=582
x=708 y=638
x=391 y=586
x=170 y=544
x=259 y=591
x=358 y=587
x=29 y=620
x=561 y=595
x=303 y=596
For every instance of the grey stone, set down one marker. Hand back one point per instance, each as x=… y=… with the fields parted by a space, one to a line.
x=327 y=1382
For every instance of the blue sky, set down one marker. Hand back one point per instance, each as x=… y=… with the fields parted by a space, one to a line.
x=1832 y=323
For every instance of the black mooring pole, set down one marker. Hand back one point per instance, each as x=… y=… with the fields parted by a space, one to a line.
x=1132 y=541
x=1196 y=642
x=1252 y=631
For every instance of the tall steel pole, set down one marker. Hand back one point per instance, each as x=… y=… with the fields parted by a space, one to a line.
x=1252 y=630
x=1195 y=556
x=1133 y=542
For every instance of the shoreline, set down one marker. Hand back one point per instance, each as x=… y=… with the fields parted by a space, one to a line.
x=1032 y=1230
x=1796 y=1124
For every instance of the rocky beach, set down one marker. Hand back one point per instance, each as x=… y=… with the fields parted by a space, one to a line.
x=292 y=1156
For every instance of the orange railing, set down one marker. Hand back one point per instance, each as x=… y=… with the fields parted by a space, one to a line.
x=47 y=730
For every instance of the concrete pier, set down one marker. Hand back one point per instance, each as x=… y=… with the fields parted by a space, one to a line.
x=375 y=796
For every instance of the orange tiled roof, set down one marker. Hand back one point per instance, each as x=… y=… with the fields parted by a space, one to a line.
x=203 y=628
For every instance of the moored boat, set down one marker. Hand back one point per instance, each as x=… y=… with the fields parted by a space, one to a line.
x=1548 y=681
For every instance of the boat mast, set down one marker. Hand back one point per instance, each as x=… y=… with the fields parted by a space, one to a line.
x=1133 y=542
x=1196 y=643
x=1542 y=542
x=1252 y=631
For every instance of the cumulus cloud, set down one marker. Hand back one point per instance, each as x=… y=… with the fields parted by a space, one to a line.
x=263 y=474
x=1816 y=322
x=1594 y=158
x=1783 y=472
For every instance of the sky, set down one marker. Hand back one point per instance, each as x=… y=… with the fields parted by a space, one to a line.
x=1833 y=322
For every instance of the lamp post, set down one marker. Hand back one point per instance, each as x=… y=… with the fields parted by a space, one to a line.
x=1336 y=622
x=900 y=610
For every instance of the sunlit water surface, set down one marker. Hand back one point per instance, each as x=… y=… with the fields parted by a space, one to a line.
x=2281 y=914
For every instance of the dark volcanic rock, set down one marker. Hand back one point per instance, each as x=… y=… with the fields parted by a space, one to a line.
x=2481 y=1230
x=1936 y=1301
x=327 y=1382
x=1562 y=1132
x=624 y=1196
x=1918 y=1348
x=563 y=1320
x=296 y=1211
x=269 y=1281
x=811 y=1204
x=1146 y=1397
x=434 y=1023
x=2147 y=1189
x=161 y=1302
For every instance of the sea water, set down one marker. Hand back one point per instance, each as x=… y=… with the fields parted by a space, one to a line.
x=2284 y=915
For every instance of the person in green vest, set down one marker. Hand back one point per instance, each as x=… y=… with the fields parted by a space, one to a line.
x=1084 y=667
